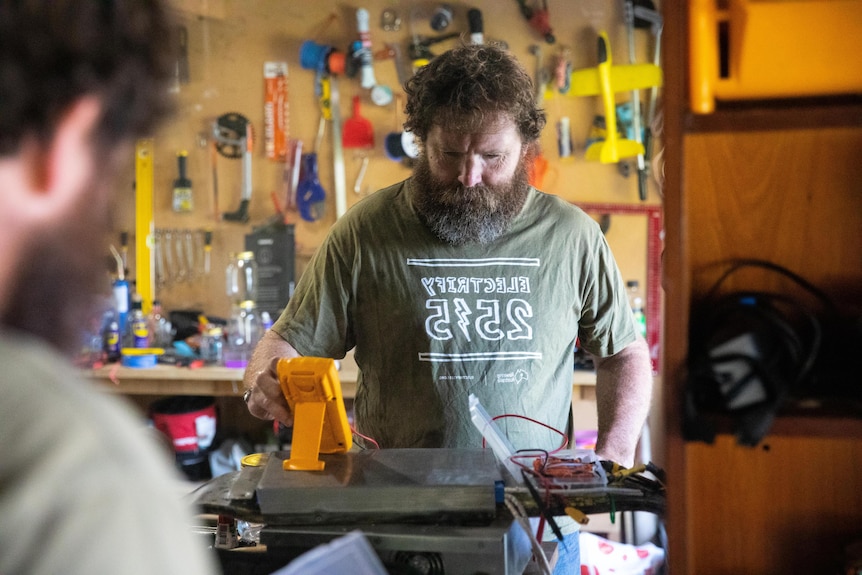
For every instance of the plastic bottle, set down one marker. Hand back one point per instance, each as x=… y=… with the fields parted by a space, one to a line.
x=137 y=333
x=121 y=302
x=265 y=320
x=241 y=278
x=243 y=333
x=111 y=336
x=158 y=326
x=212 y=344
x=637 y=305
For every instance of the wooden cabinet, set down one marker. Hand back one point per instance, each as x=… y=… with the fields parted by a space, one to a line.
x=779 y=181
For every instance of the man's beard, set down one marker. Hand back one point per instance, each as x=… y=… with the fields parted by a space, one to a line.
x=460 y=215
x=61 y=278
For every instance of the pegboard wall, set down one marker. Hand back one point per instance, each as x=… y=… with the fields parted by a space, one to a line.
x=227 y=43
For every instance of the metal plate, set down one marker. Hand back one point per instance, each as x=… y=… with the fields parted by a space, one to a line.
x=382 y=485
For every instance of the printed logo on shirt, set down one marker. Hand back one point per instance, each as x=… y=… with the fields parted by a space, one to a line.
x=518 y=377
x=503 y=311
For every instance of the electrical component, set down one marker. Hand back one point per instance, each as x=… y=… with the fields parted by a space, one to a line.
x=748 y=352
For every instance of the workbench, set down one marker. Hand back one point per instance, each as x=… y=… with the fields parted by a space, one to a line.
x=224 y=383
x=220 y=381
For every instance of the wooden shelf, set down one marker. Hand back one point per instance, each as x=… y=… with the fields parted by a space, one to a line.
x=823 y=419
x=170 y=380
x=820 y=418
x=807 y=113
x=226 y=381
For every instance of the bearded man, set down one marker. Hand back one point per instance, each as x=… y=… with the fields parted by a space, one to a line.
x=464 y=279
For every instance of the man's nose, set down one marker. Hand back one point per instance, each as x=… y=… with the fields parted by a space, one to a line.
x=471 y=173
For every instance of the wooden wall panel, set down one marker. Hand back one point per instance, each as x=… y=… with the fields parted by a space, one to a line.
x=789 y=505
x=793 y=197
x=228 y=42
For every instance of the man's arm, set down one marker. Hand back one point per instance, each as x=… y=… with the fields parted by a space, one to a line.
x=623 y=394
x=266 y=399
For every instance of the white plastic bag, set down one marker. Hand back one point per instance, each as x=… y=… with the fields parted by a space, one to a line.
x=599 y=556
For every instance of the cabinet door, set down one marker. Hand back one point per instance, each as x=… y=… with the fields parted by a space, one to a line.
x=793 y=197
x=789 y=505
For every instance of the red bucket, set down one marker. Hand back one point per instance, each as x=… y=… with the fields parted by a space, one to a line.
x=188 y=421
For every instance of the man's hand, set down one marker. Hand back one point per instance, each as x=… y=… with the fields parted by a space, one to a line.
x=266 y=400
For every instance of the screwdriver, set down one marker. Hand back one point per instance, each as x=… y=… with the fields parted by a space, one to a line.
x=208 y=248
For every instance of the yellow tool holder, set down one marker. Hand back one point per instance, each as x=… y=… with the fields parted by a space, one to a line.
x=759 y=49
x=144 y=281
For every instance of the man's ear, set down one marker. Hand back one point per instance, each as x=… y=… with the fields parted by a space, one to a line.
x=63 y=167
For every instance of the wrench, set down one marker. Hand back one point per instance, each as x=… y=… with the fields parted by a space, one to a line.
x=541 y=73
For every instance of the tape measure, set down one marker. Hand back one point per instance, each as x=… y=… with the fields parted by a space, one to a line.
x=653 y=279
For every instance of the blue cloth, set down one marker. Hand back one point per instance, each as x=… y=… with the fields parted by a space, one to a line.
x=569 y=555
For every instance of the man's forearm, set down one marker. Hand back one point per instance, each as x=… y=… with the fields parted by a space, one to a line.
x=623 y=394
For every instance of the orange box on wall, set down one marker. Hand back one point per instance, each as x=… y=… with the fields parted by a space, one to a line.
x=758 y=49
x=275 y=110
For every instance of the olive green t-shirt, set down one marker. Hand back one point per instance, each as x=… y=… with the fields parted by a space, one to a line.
x=432 y=323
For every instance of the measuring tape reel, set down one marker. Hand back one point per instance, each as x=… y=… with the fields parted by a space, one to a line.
x=229 y=132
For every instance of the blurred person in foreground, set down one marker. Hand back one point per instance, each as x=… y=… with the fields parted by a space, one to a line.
x=83 y=487
x=465 y=279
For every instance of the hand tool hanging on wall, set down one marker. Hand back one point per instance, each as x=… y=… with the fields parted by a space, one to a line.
x=649 y=15
x=233 y=139
x=290 y=178
x=393 y=51
x=477 y=26
x=362 y=50
x=180 y=37
x=183 y=200
x=363 y=55
x=390 y=20
x=323 y=60
x=124 y=250
x=358 y=134
x=213 y=156
x=541 y=75
x=310 y=195
x=208 y=248
x=539 y=18
x=419 y=49
x=629 y=16
x=337 y=150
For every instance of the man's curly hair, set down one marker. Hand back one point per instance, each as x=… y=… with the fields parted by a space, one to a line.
x=460 y=87
x=53 y=52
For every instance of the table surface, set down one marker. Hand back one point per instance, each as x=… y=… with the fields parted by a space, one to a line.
x=218 y=380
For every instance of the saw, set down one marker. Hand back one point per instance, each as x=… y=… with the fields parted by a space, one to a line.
x=234 y=138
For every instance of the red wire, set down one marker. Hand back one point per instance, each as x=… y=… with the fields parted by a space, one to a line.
x=537 y=422
x=366 y=438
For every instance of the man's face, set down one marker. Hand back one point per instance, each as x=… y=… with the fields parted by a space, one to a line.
x=470 y=186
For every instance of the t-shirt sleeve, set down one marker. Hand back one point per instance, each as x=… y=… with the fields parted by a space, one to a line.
x=316 y=321
x=606 y=325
